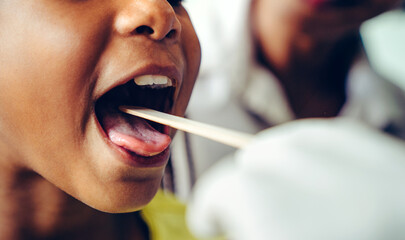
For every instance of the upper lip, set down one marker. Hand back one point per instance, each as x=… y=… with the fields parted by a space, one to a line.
x=170 y=71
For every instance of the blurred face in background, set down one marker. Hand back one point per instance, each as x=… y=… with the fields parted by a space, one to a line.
x=283 y=28
x=328 y=19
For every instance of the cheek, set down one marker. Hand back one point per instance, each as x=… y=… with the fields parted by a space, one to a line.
x=45 y=82
x=192 y=53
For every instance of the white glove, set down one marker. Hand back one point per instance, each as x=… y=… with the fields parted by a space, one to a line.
x=306 y=180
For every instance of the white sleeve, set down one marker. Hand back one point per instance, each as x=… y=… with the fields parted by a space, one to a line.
x=307 y=180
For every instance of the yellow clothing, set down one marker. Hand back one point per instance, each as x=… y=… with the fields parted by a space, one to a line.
x=165 y=217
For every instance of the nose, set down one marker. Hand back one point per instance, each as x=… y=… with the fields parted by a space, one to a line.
x=155 y=19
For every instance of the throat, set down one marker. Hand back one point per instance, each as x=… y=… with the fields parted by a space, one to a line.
x=33 y=208
x=313 y=106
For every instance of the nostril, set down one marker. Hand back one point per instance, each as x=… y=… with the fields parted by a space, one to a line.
x=156 y=33
x=171 y=34
x=144 y=30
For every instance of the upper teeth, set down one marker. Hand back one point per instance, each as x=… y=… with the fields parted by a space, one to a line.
x=153 y=81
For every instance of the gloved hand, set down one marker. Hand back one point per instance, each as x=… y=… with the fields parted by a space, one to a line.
x=306 y=180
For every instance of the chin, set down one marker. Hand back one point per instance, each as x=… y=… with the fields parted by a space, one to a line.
x=125 y=199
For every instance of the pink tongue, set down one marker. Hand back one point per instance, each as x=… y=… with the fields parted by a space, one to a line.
x=135 y=135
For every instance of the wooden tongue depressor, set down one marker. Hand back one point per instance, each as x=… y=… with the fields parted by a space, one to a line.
x=218 y=134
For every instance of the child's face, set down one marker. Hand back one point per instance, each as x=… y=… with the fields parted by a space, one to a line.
x=58 y=58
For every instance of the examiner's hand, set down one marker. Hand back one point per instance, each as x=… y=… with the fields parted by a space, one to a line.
x=306 y=180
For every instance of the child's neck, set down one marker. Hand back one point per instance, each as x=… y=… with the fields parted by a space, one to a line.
x=33 y=208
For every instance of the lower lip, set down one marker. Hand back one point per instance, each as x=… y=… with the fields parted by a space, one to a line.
x=132 y=159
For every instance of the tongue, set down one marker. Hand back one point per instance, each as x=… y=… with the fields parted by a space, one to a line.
x=134 y=134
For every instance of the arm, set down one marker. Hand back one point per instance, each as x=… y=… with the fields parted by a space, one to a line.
x=311 y=179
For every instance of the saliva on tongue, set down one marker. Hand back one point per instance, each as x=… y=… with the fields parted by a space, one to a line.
x=134 y=134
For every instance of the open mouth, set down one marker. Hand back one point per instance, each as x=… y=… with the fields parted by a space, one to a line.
x=136 y=135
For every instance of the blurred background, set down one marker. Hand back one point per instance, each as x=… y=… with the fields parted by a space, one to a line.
x=384 y=40
x=269 y=64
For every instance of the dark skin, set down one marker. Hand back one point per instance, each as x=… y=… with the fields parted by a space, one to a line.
x=307 y=91
x=310 y=46
x=52 y=214
x=61 y=177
